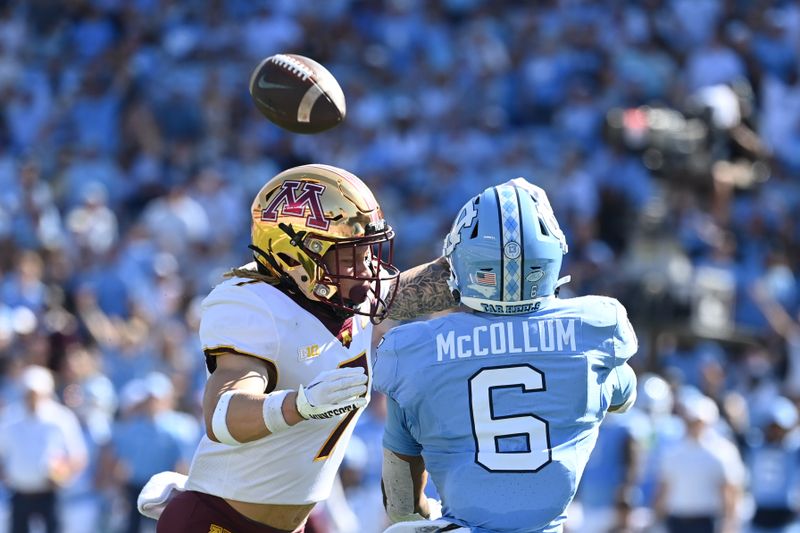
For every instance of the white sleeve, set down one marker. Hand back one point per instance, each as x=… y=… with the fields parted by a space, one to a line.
x=234 y=320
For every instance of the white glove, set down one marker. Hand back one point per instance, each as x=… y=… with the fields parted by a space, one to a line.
x=332 y=393
x=434 y=509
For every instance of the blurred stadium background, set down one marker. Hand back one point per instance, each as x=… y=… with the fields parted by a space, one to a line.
x=666 y=132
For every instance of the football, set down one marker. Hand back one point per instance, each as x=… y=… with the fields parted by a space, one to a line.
x=297 y=93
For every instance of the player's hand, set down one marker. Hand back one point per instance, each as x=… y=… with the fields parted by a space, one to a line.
x=332 y=393
x=434 y=509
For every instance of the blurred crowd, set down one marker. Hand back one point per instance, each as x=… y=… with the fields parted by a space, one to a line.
x=130 y=153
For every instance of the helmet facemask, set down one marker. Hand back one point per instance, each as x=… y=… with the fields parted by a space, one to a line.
x=379 y=275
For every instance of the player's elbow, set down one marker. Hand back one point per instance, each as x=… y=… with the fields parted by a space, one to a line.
x=624 y=406
x=215 y=414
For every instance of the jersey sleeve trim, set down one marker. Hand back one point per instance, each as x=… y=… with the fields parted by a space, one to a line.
x=272 y=368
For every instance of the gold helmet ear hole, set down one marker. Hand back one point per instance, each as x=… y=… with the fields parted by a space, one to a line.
x=290 y=261
x=304 y=278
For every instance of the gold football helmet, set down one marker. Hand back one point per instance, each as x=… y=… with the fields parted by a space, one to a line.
x=307 y=211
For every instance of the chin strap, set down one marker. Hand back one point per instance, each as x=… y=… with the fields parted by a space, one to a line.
x=283 y=278
x=561 y=281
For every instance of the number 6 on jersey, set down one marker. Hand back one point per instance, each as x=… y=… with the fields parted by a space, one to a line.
x=488 y=429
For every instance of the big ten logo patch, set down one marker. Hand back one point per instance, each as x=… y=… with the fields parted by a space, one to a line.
x=304 y=353
x=218 y=529
x=295 y=199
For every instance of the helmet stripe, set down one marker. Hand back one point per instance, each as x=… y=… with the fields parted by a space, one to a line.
x=498 y=203
x=511 y=230
x=522 y=272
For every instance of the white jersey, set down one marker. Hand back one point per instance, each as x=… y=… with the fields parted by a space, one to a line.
x=298 y=465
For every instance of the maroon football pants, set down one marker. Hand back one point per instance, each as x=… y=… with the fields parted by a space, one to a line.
x=197 y=512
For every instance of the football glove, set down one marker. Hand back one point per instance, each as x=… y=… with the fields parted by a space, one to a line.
x=434 y=509
x=333 y=393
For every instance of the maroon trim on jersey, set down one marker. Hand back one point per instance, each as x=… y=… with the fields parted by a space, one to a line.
x=211 y=364
x=345 y=334
x=198 y=512
x=339 y=325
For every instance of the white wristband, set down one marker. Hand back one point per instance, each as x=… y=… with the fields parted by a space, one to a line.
x=219 y=423
x=273 y=411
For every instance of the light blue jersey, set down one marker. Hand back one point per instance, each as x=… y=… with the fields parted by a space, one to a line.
x=774 y=473
x=505 y=409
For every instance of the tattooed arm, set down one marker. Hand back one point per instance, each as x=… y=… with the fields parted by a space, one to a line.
x=422 y=290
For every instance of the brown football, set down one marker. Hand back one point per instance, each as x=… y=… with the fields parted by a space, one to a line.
x=297 y=93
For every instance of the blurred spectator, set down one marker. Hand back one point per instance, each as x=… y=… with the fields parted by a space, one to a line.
x=86 y=168
x=31 y=203
x=608 y=482
x=688 y=362
x=780 y=111
x=713 y=63
x=183 y=426
x=140 y=447
x=772 y=458
x=787 y=328
x=661 y=429
x=361 y=493
x=42 y=449
x=177 y=220
x=91 y=395
x=92 y=224
x=26 y=287
x=701 y=476
x=29 y=108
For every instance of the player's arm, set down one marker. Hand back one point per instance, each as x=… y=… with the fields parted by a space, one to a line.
x=403 y=484
x=404 y=476
x=236 y=409
x=422 y=290
x=622 y=381
x=248 y=378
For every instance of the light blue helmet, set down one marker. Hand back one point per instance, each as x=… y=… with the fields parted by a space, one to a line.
x=505 y=249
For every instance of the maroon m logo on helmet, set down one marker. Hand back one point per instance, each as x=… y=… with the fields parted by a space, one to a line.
x=287 y=202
